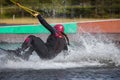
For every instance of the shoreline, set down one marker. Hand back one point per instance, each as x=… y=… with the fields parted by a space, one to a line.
x=26 y=21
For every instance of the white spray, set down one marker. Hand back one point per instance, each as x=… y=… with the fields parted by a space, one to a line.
x=85 y=50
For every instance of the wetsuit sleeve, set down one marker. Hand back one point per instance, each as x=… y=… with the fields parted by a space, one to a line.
x=65 y=48
x=45 y=24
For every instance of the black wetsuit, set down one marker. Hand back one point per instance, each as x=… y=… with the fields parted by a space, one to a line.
x=55 y=43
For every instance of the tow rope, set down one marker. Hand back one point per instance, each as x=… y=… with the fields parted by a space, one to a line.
x=32 y=12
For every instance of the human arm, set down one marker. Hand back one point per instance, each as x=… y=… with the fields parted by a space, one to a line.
x=65 y=47
x=45 y=24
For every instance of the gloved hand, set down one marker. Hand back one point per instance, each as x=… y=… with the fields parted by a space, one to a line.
x=36 y=14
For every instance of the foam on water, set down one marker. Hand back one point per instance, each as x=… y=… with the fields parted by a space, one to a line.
x=85 y=50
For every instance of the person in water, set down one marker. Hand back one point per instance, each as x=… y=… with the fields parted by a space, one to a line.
x=56 y=42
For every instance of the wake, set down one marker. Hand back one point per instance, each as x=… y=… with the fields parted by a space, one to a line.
x=86 y=50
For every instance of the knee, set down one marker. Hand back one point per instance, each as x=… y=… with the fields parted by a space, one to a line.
x=31 y=36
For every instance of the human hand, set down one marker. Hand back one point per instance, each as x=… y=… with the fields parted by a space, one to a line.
x=36 y=14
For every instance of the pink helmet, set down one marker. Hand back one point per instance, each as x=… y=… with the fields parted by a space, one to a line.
x=59 y=27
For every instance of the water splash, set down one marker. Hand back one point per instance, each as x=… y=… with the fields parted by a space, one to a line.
x=85 y=50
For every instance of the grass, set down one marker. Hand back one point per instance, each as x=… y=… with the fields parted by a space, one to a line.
x=35 y=20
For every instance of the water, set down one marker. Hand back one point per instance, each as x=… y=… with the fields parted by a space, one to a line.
x=88 y=58
x=84 y=73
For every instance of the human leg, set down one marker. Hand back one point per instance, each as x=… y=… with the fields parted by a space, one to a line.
x=26 y=54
